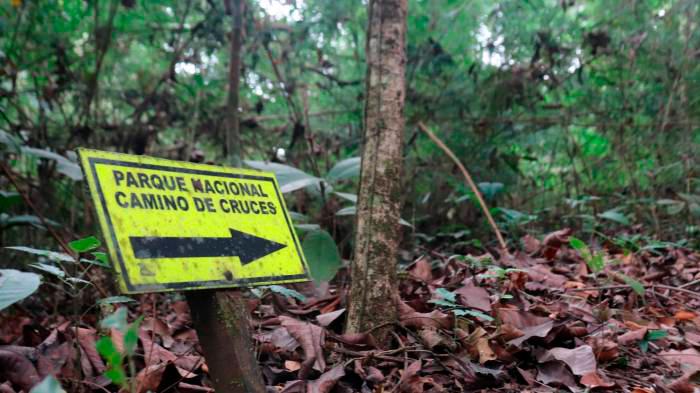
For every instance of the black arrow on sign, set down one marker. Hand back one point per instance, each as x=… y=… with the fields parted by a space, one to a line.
x=245 y=246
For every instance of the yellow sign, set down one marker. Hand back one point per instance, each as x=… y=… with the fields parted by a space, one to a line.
x=172 y=225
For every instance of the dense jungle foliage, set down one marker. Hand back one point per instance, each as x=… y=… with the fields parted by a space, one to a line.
x=579 y=121
x=566 y=112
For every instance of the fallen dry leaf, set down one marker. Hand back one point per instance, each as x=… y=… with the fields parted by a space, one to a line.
x=16 y=368
x=594 y=380
x=580 y=360
x=326 y=381
x=474 y=297
x=311 y=338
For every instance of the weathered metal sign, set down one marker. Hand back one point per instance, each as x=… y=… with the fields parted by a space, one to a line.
x=172 y=225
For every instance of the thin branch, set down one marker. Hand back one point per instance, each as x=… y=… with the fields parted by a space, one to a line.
x=28 y=201
x=470 y=183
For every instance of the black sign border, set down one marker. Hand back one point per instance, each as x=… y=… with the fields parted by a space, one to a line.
x=189 y=285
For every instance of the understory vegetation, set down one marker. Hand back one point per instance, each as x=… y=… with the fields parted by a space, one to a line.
x=579 y=122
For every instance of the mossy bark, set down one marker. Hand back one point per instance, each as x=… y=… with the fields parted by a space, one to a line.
x=372 y=302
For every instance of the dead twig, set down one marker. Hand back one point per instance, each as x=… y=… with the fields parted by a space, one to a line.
x=470 y=183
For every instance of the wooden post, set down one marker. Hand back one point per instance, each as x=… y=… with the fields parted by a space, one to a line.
x=221 y=320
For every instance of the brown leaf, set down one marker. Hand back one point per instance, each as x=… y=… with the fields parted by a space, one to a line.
x=86 y=340
x=553 y=242
x=154 y=353
x=534 y=331
x=594 y=380
x=581 y=359
x=632 y=336
x=327 y=381
x=520 y=319
x=530 y=244
x=17 y=369
x=436 y=318
x=421 y=270
x=328 y=318
x=485 y=351
x=689 y=359
x=432 y=338
x=281 y=339
x=473 y=296
x=557 y=373
x=687 y=383
x=311 y=338
x=291 y=365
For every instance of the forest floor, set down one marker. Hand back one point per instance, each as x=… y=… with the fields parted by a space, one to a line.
x=547 y=318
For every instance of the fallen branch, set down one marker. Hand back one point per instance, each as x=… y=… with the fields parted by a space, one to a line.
x=470 y=183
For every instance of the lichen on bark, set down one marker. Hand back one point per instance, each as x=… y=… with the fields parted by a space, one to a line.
x=372 y=303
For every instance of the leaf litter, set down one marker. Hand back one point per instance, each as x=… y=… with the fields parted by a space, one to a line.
x=540 y=320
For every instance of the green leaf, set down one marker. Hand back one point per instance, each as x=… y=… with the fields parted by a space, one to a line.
x=289 y=178
x=51 y=269
x=347 y=196
x=53 y=255
x=116 y=300
x=444 y=303
x=653 y=335
x=596 y=263
x=473 y=313
x=490 y=190
x=447 y=295
x=344 y=169
x=63 y=164
x=616 y=216
x=9 y=199
x=48 y=385
x=16 y=285
x=84 y=244
x=352 y=210
x=116 y=375
x=108 y=351
x=288 y=292
x=322 y=255
x=116 y=320
x=131 y=337
x=634 y=284
x=577 y=244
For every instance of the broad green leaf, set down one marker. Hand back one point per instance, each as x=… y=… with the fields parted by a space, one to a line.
x=321 y=255
x=344 y=169
x=63 y=165
x=447 y=295
x=116 y=300
x=577 y=244
x=101 y=256
x=289 y=178
x=16 y=285
x=596 y=262
x=85 y=244
x=131 y=337
x=444 y=303
x=115 y=320
x=352 y=210
x=653 y=335
x=347 y=196
x=48 y=385
x=9 y=199
x=26 y=219
x=53 y=255
x=634 y=284
x=105 y=346
x=473 y=313
x=490 y=190
x=51 y=269
x=616 y=216
x=288 y=292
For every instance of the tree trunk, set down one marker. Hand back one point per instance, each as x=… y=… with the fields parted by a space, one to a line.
x=233 y=134
x=372 y=303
